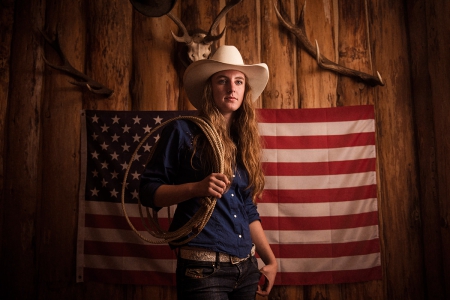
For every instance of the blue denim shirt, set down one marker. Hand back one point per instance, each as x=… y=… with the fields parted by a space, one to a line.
x=228 y=229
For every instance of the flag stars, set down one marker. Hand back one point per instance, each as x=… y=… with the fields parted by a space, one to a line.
x=94 y=155
x=104 y=146
x=94 y=136
x=104 y=182
x=126 y=128
x=147 y=129
x=114 y=175
x=114 y=193
x=147 y=147
x=135 y=194
x=94 y=192
x=115 y=138
x=94 y=119
x=158 y=120
x=115 y=119
x=136 y=138
x=125 y=147
x=104 y=128
x=124 y=166
x=137 y=157
x=95 y=173
x=156 y=138
x=135 y=175
x=137 y=120
x=114 y=156
x=104 y=165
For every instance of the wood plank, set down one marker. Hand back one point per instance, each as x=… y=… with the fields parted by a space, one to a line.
x=22 y=153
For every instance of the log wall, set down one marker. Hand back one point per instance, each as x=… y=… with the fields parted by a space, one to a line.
x=406 y=41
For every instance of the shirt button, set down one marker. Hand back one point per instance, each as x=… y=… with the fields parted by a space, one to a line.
x=240 y=236
x=232 y=195
x=235 y=216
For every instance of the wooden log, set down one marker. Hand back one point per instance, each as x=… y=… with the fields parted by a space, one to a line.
x=399 y=208
x=278 y=52
x=429 y=55
x=6 y=30
x=354 y=52
x=155 y=84
x=317 y=87
x=62 y=103
x=22 y=163
x=109 y=61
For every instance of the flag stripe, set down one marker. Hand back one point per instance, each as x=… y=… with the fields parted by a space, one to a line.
x=318 y=142
x=320 y=223
x=316 y=196
x=319 y=168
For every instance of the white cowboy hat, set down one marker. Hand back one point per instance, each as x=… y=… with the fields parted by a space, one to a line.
x=225 y=58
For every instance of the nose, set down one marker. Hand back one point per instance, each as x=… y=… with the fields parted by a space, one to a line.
x=231 y=87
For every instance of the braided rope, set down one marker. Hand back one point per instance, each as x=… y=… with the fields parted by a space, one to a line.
x=196 y=224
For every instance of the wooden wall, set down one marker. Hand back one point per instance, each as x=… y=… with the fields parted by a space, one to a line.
x=406 y=41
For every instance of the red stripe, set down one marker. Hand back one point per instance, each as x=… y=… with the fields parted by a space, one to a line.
x=330 y=277
x=128 y=250
x=319 y=142
x=319 y=168
x=319 y=196
x=118 y=222
x=320 y=223
x=334 y=114
x=325 y=250
x=128 y=277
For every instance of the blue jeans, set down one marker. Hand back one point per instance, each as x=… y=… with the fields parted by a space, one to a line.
x=217 y=281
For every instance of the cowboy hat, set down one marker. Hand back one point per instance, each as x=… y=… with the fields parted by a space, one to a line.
x=153 y=8
x=225 y=58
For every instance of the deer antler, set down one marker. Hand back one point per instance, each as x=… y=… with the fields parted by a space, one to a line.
x=85 y=81
x=209 y=37
x=300 y=32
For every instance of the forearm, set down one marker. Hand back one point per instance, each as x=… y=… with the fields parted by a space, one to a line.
x=261 y=244
x=167 y=195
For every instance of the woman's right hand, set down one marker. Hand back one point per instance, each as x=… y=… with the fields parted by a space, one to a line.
x=213 y=185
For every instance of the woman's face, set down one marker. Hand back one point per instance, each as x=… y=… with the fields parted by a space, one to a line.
x=228 y=88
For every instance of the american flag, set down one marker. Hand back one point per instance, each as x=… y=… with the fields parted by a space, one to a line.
x=319 y=208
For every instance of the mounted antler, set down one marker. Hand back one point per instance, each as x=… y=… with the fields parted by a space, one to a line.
x=300 y=32
x=199 y=42
x=85 y=81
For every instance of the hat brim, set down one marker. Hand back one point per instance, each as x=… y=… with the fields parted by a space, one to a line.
x=199 y=71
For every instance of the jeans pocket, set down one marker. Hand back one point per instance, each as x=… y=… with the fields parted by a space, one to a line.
x=195 y=269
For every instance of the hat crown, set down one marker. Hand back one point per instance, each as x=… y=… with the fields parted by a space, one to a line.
x=228 y=55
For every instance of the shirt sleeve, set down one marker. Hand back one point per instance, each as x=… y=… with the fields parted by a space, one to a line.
x=250 y=208
x=175 y=140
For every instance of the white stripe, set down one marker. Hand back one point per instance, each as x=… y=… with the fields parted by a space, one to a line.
x=115 y=209
x=317 y=209
x=322 y=236
x=356 y=262
x=315 y=129
x=130 y=263
x=116 y=235
x=318 y=155
x=319 y=181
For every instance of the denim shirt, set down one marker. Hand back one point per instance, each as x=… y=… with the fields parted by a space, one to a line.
x=228 y=229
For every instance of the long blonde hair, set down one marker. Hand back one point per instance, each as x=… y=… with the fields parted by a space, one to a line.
x=241 y=142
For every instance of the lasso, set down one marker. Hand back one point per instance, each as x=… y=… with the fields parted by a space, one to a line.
x=196 y=224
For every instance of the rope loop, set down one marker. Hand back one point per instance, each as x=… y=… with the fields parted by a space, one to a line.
x=196 y=224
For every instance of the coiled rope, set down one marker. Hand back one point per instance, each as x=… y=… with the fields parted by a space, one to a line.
x=196 y=224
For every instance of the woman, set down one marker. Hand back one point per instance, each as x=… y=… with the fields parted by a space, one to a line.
x=219 y=263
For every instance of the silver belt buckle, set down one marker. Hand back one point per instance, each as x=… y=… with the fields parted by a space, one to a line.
x=235 y=260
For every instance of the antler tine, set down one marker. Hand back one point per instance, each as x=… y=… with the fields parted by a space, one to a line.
x=209 y=37
x=300 y=32
x=86 y=81
x=186 y=38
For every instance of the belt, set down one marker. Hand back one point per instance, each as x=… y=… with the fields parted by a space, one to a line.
x=211 y=256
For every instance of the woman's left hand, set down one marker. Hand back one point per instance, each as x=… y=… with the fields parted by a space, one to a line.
x=269 y=272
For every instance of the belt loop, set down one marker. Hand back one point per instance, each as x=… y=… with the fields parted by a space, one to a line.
x=217 y=260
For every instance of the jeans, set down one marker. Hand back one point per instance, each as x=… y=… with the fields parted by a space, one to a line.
x=217 y=281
